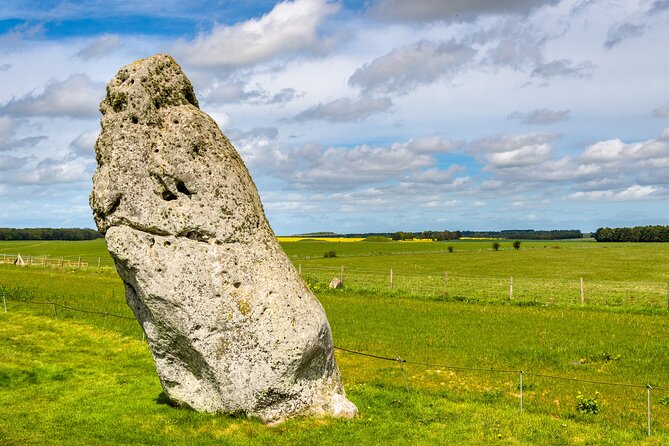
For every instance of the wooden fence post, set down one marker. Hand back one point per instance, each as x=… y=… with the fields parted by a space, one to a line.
x=391 y=279
x=98 y=262
x=299 y=269
x=511 y=289
x=79 y=264
x=582 y=293
x=61 y=261
x=342 y=275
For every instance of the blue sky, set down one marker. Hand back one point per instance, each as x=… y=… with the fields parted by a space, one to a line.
x=365 y=116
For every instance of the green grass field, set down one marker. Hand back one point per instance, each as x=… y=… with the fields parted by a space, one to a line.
x=84 y=378
x=545 y=272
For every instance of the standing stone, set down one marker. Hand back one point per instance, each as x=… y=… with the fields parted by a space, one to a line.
x=335 y=283
x=231 y=326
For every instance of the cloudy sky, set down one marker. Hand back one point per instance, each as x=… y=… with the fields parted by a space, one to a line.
x=353 y=116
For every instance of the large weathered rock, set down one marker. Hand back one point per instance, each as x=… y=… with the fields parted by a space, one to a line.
x=230 y=324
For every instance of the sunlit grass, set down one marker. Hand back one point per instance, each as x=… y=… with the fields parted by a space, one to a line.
x=73 y=381
x=88 y=379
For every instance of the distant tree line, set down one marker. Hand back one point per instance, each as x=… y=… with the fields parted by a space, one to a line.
x=48 y=234
x=523 y=234
x=399 y=235
x=635 y=234
x=318 y=234
x=526 y=234
x=426 y=235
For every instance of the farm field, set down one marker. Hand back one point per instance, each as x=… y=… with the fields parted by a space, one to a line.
x=543 y=272
x=87 y=378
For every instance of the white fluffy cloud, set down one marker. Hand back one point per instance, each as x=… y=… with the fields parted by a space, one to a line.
x=8 y=162
x=291 y=26
x=237 y=92
x=99 y=47
x=84 y=143
x=452 y=10
x=662 y=112
x=406 y=68
x=329 y=168
x=622 y=31
x=75 y=97
x=615 y=151
x=8 y=129
x=540 y=116
x=57 y=171
x=634 y=192
x=346 y=109
x=526 y=155
x=564 y=68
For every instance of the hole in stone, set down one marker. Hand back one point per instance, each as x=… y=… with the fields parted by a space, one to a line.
x=156 y=103
x=181 y=187
x=237 y=284
x=197 y=236
x=134 y=120
x=167 y=243
x=115 y=204
x=190 y=96
x=176 y=121
x=156 y=150
x=168 y=196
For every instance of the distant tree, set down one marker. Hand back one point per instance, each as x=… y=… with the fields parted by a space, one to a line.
x=48 y=234
x=495 y=246
x=527 y=234
x=635 y=234
x=330 y=254
x=516 y=244
x=450 y=248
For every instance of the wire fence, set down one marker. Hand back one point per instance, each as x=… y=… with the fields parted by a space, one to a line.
x=442 y=285
x=402 y=362
x=447 y=285
x=77 y=261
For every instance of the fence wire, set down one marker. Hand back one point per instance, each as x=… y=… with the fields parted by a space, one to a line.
x=403 y=361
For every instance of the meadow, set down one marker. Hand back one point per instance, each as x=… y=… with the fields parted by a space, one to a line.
x=87 y=378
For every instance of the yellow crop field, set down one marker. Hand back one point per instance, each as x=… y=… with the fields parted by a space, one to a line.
x=321 y=239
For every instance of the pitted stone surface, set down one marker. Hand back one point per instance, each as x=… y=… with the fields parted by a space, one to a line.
x=231 y=326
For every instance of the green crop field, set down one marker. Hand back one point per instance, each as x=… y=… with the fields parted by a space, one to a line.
x=70 y=377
